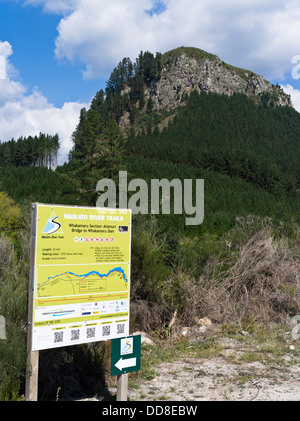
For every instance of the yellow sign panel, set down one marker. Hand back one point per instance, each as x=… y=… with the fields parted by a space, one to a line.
x=81 y=275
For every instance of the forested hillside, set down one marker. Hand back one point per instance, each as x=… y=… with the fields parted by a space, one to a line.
x=247 y=152
x=239 y=267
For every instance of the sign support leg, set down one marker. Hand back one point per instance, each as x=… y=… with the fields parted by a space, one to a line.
x=32 y=372
x=122 y=387
x=32 y=375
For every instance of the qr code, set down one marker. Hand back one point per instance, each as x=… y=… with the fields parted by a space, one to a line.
x=106 y=330
x=120 y=328
x=58 y=337
x=90 y=332
x=75 y=335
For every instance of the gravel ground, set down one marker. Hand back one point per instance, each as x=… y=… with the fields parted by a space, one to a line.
x=241 y=370
x=225 y=377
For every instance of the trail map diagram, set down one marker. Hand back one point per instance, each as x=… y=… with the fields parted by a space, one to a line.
x=71 y=283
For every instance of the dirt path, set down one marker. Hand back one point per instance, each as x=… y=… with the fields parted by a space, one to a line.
x=230 y=369
x=231 y=375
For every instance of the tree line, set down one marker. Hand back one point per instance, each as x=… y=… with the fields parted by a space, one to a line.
x=125 y=87
x=31 y=151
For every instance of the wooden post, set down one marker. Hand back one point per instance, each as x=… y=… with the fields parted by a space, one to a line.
x=31 y=391
x=122 y=387
x=32 y=376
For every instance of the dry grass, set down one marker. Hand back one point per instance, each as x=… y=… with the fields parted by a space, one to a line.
x=249 y=277
x=262 y=285
x=255 y=282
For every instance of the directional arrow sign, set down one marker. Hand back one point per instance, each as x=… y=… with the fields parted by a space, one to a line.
x=125 y=355
x=129 y=362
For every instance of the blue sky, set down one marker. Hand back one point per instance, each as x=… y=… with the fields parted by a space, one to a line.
x=32 y=33
x=56 y=54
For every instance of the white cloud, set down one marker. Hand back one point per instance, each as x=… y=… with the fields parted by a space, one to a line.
x=100 y=33
x=5 y=51
x=24 y=114
x=261 y=35
x=295 y=95
x=53 y=6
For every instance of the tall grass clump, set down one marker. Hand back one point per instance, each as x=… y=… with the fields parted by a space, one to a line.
x=250 y=274
x=254 y=279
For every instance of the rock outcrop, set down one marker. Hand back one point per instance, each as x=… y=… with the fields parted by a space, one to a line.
x=187 y=69
x=184 y=72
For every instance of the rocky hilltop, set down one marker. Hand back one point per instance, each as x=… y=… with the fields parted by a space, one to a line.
x=147 y=94
x=187 y=69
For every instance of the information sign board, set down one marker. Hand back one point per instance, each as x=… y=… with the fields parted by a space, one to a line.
x=81 y=275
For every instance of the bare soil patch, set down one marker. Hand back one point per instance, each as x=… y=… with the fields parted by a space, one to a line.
x=237 y=370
